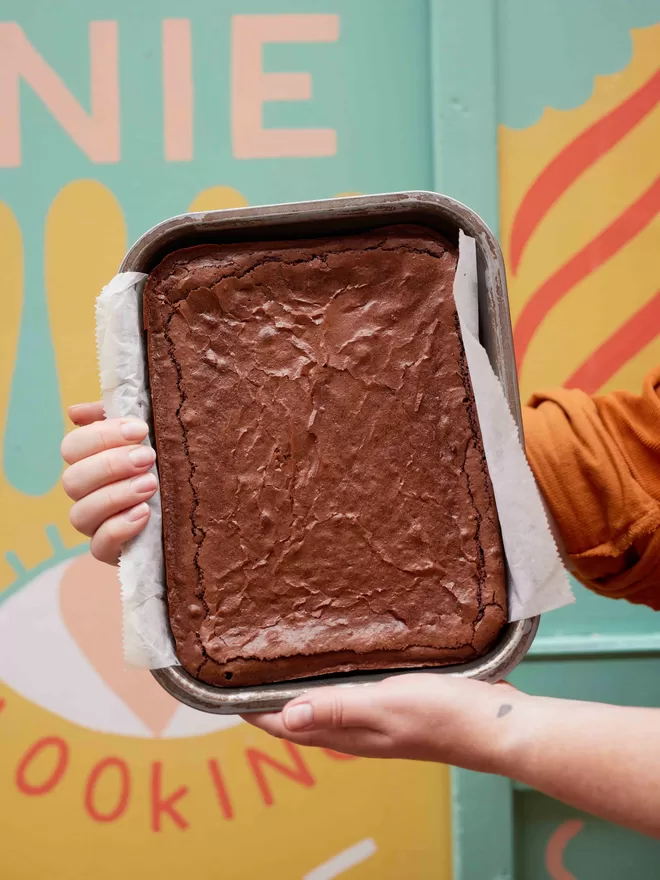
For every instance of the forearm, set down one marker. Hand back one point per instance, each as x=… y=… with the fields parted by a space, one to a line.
x=604 y=760
x=601 y=759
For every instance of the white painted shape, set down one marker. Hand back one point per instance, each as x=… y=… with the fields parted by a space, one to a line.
x=41 y=661
x=191 y=722
x=340 y=863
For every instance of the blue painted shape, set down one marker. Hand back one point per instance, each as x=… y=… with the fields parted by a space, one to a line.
x=549 y=53
x=55 y=539
x=26 y=576
x=15 y=563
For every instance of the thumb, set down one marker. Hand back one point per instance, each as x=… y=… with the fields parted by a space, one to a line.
x=335 y=708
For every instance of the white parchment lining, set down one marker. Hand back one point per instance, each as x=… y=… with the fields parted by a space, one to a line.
x=538 y=580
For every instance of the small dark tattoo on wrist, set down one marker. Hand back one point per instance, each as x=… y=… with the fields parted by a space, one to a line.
x=504 y=709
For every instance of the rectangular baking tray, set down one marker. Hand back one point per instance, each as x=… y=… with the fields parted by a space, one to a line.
x=336 y=217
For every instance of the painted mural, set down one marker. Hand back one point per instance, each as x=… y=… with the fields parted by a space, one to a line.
x=115 y=116
x=580 y=199
x=580 y=230
x=112 y=119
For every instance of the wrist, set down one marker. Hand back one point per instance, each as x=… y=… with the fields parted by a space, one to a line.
x=517 y=736
x=504 y=731
x=474 y=725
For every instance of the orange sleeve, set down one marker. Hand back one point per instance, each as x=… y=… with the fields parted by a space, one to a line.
x=597 y=461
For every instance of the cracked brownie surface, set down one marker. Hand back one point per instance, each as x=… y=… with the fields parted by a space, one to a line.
x=326 y=501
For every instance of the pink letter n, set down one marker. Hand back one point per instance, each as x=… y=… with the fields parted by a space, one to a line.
x=97 y=133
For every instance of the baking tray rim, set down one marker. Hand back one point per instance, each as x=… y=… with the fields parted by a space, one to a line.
x=384 y=209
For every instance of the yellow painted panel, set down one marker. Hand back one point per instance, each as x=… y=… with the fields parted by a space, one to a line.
x=217 y=197
x=84 y=243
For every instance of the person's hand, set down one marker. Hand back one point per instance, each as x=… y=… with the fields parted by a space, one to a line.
x=425 y=716
x=107 y=478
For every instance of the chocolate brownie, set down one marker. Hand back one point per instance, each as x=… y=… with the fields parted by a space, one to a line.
x=326 y=501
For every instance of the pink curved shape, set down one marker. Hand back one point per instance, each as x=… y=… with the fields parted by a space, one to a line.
x=554 y=852
x=90 y=607
x=177 y=90
x=251 y=86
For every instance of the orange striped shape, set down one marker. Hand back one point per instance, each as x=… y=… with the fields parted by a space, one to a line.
x=554 y=853
x=637 y=332
x=597 y=252
x=575 y=159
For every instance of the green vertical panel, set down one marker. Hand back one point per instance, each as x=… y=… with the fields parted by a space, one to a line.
x=598 y=649
x=463 y=66
x=482 y=812
x=496 y=62
x=464 y=113
x=593 y=850
x=371 y=86
x=547 y=831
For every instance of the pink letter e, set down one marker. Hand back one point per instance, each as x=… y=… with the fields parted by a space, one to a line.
x=251 y=87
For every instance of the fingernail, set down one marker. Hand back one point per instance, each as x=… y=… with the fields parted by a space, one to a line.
x=145 y=483
x=133 y=429
x=142 y=456
x=137 y=513
x=299 y=717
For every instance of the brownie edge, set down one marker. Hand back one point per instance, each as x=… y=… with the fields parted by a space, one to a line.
x=326 y=500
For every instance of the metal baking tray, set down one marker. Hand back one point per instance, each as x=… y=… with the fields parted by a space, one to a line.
x=335 y=217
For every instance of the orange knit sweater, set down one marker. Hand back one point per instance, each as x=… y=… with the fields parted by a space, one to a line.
x=597 y=461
